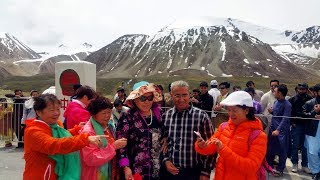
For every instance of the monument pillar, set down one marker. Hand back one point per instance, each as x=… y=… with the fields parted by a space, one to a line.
x=68 y=73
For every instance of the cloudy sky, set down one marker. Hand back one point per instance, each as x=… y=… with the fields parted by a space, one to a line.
x=43 y=24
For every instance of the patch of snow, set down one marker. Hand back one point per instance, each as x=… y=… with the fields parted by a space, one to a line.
x=246 y=61
x=169 y=63
x=269 y=60
x=210 y=74
x=226 y=75
x=159 y=72
x=257 y=62
x=3 y=35
x=257 y=73
x=277 y=69
x=267 y=35
x=223 y=49
x=138 y=62
x=300 y=49
x=203 y=68
x=265 y=76
x=282 y=54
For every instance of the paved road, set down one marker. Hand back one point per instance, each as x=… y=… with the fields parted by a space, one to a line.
x=12 y=165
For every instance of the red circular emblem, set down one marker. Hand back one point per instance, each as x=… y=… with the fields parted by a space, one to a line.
x=68 y=78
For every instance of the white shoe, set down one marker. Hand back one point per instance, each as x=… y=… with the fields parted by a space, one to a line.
x=306 y=170
x=294 y=168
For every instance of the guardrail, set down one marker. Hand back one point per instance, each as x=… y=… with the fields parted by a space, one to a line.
x=10 y=121
x=11 y=113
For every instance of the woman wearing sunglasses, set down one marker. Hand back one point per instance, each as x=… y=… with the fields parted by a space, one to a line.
x=141 y=127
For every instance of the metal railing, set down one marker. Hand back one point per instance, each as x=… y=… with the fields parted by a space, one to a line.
x=10 y=121
x=11 y=114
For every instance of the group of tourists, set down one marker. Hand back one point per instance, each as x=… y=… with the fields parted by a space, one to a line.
x=233 y=135
x=291 y=123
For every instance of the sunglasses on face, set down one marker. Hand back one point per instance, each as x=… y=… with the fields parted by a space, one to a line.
x=144 y=98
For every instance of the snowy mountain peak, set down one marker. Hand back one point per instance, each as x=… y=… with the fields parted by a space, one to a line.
x=196 y=29
x=309 y=35
x=62 y=46
x=87 y=45
x=72 y=48
x=12 y=48
x=233 y=27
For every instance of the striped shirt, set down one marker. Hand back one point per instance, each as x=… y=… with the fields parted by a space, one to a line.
x=178 y=129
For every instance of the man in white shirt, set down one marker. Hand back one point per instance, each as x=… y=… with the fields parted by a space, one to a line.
x=214 y=91
x=267 y=101
x=258 y=93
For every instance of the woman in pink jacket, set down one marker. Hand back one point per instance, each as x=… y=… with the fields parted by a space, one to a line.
x=97 y=163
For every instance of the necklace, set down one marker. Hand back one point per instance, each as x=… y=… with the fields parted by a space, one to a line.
x=151 y=117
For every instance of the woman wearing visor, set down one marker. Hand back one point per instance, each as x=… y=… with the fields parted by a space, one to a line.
x=141 y=127
x=240 y=143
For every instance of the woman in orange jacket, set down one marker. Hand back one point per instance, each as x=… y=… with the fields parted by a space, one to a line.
x=48 y=146
x=239 y=157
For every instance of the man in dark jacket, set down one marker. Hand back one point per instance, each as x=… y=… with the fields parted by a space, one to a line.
x=18 y=101
x=279 y=132
x=312 y=110
x=298 y=127
x=206 y=100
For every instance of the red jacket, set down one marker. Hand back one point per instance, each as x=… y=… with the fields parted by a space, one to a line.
x=39 y=143
x=236 y=160
x=75 y=114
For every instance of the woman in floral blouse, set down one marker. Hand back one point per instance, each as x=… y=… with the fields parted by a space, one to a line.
x=141 y=127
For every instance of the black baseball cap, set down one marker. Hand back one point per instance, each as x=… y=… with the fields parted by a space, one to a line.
x=303 y=85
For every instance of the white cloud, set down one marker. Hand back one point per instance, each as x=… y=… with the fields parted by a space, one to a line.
x=45 y=23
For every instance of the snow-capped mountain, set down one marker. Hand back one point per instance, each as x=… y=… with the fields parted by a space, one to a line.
x=304 y=48
x=70 y=49
x=28 y=66
x=299 y=43
x=265 y=34
x=47 y=66
x=216 y=50
x=309 y=35
x=65 y=52
x=206 y=46
x=12 y=48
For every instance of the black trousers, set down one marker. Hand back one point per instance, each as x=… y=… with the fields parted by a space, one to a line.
x=184 y=174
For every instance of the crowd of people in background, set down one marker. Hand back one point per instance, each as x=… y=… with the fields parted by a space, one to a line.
x=184 y=134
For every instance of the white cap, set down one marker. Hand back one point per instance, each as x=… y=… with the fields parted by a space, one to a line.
x=240 y=98
x=214 y=83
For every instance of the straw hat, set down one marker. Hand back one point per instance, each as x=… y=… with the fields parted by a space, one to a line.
x=141 y=90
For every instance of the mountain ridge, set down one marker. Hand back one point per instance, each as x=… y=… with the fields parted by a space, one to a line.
x=215 y=47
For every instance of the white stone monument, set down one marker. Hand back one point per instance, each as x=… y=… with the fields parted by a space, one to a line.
x=68 y=73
